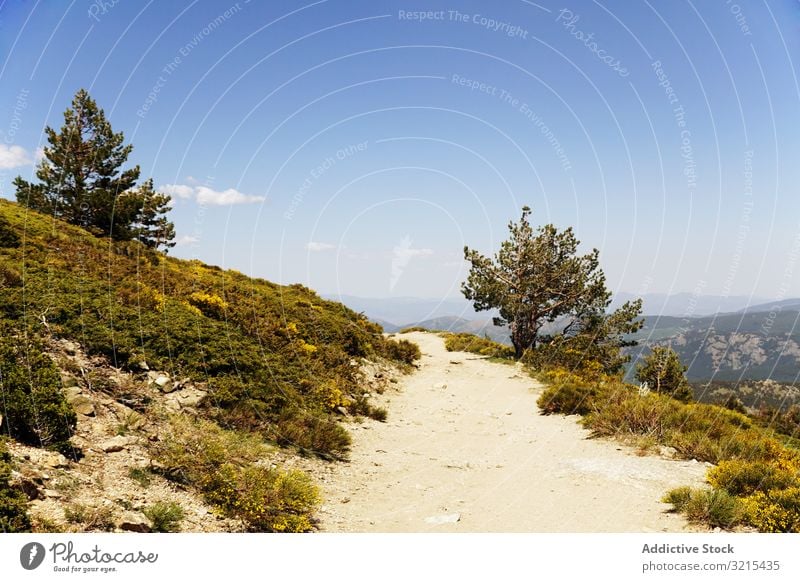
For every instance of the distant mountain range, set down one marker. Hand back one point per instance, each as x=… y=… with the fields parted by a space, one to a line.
x=690 y=304
x=757 y=343
x=718 y=338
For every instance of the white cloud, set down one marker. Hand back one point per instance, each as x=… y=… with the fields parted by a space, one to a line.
x=13 y=156
x=187 y=241
x=224 y=197
x=316 y=247
x=206 y=195
x=177 y=190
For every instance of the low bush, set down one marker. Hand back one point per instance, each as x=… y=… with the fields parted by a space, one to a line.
x=267 y=499
x=164 y=516
x=679 y=498
x=467 y=342
x=743 y=478
x=321 y=436
x=774 y=511
x=403 y=351
x=713 y=507
x=223 y=466
x=568 y=394
x=90 y=518
x=413 y=328
x=13 y=503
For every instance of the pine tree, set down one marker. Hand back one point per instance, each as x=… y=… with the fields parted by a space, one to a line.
x=82 y=180
x=152 y=228
x=664 y=373
x=536 y=278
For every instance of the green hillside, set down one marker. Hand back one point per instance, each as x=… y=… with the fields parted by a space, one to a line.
x=276 y=360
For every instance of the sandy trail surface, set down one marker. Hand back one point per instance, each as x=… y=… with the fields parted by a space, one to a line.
x=466 y=450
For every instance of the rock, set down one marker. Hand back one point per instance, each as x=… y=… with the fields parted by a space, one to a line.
x=82 y=405
x=151 y=376
x=342 y=410
x=117 y=444
x=72 y=392
x=54 y=460
x=440 y=386
x=52 y=494
x=135 y=523
x=668 y=452
x=143 y=366
x=440 y=519
x=70 y=348
x=164 y=383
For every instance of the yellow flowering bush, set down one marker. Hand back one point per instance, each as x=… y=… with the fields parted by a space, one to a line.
x=774 y=511
x=210 y=304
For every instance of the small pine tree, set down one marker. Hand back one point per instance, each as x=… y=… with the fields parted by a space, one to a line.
x=152 y=228
x=664 y=373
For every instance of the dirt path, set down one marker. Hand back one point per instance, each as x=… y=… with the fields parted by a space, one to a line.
x=465 y=450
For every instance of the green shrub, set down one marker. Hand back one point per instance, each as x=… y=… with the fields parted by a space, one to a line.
x=413 y=328
x=8 y=236
x=90 y=518
x=268 y=499
x=714 y=507
x=164 y=516
x=467 y=342
x=141 y=476
x=35 y=410
x=13 y=504
x=568 y=395
x=679 y=498
x=317 y=435
x=222 y=465
x=403 y=351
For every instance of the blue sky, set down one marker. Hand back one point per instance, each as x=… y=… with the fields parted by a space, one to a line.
x=355 y=147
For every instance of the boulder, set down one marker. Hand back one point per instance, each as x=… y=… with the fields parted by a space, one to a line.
x=135 y=523
x=82 y=405
x=117 y=444
x=164 y=383
x=53 y=460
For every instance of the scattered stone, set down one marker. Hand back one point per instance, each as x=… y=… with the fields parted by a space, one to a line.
x=669 y=452
x=441 y=519
x=135 y=523
x=117 y=444
x=82 y=405
x=164 y=383
x=440 y=386
x=54 y=460
x=52 y=494
x=455 y=362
